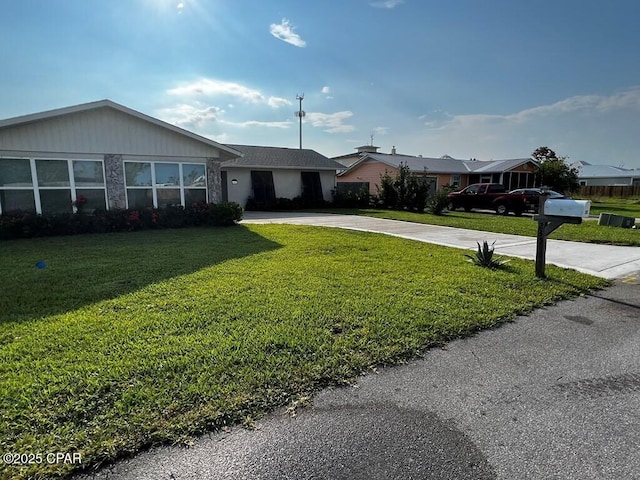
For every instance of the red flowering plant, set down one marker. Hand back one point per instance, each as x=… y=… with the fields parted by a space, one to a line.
x=79 y=203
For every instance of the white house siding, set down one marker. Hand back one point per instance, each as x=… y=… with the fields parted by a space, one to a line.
x=287 y=183
x=101 y=131
x=113 y=137
x=241 y=190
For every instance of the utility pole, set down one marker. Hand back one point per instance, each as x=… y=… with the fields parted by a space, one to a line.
x=300 y=113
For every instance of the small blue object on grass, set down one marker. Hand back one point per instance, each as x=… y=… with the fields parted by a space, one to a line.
x=41 y=264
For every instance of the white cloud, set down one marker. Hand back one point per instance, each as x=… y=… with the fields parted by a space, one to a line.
x=387 y=3
x=326 y=90
x=381 y=130
x=256 y=123
x=284 y=31
x=331 y=122
x=277 y=102
x=189 y=116
x=595 y=128
x=208 y=87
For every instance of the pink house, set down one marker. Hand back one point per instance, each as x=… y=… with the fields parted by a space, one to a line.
x=364 y=168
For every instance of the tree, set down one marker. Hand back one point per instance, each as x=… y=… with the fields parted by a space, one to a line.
x=405 y=191
x=554 y=171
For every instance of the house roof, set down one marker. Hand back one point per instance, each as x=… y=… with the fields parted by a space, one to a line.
x=445 y=164
x=59 y=112
x=495 y=166
x=606 y=171
x=279 y=157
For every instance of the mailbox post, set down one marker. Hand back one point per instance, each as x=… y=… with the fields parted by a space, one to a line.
x=550 y=217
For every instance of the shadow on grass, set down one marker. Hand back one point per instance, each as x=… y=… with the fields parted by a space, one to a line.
x=86 y=269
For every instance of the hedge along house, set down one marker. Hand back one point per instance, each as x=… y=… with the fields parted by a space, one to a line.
x=113 y=156
x=443 y=171
x=266 y=173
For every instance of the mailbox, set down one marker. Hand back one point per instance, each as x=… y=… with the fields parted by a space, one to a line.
x=565 y=207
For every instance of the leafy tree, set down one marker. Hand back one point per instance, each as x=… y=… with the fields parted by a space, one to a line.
x=404 y=191
x=554 y=171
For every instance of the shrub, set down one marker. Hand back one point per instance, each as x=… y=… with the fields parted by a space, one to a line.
x=439 y=201
x=350 y=199
x=484 y=257
x=405 y=191
x=28 y=225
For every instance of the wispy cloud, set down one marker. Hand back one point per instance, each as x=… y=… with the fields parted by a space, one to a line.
x=209 y=88
x=579 y=126
x=284 y=31
x=387 y=3
x=189 y=116
x=277 y=102
x=381 y=130
x=331 y=122
x=256 y=123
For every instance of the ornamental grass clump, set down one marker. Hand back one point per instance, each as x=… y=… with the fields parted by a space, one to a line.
x=484 y=257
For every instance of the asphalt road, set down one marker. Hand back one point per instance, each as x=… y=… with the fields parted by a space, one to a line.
x=552 y=395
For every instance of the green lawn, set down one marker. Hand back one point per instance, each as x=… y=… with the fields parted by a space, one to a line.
x=589 y=231
x=629 y=207
x=129 y=340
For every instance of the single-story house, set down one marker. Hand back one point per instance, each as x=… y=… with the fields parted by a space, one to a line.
x=606 y=175
x=365 y=172
x=113 y=156
x=266 y=173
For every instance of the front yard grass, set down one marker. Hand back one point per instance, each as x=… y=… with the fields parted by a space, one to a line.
x=589 y=231
x=129 y=340
x=628 y=207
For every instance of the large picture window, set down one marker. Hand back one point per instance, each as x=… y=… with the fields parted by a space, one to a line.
x=50 y=185
x=160 y=184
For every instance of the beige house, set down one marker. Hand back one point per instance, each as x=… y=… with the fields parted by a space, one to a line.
x=111 y=155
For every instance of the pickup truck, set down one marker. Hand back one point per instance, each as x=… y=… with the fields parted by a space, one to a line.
x=492 y=196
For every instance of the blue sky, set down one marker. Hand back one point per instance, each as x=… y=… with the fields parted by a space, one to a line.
x=492 y=79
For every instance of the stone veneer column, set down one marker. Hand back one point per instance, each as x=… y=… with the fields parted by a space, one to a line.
x=114 y=169
x=214 y=180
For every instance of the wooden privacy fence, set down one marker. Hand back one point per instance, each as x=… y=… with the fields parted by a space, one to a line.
x=610 y=191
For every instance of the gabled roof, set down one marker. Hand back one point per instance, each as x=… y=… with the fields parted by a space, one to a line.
x=415 y=164
x=59 y=112
x=606 y=171
x=496 y=166
x=445 y=164
x=279 y=157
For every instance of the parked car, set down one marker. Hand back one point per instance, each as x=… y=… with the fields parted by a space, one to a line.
x=531 y=197
x=493 y=196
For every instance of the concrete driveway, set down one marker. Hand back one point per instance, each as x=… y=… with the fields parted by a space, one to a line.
x=555 y=394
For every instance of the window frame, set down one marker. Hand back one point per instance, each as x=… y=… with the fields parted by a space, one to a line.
x=155 y=187
x=36 y=187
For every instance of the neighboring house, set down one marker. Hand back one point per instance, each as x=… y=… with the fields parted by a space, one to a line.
x=365 y=172
x=112 y=155
x=606 y=175
x=266 y=173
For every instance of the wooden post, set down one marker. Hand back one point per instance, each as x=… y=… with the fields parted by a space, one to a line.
x=541 y=246
x=547 y=225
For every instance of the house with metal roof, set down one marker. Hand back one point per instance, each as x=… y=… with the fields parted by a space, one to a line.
x=108 y=154
x=366 y=171
x=606 y=175
x=263 y=174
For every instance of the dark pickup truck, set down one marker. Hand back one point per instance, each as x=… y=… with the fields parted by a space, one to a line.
x=488 y=196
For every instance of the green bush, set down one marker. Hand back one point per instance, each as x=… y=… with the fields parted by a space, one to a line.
x=405 y=191
x=439 y=201
x=350 y=199
x=28 y=225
